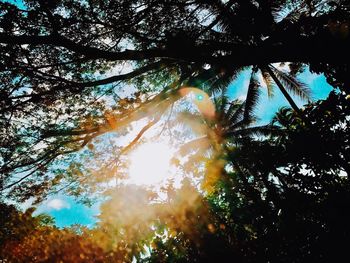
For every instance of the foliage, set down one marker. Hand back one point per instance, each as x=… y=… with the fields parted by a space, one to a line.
x=75 y=75
x=65 y=65
x=286 y=199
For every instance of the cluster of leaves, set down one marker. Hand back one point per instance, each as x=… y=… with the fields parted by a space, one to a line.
x=63 y=63
x=276 y=193
x=284 y=199
x=28 y=238
x=129 y=226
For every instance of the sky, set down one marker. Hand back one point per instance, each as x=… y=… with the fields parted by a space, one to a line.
x=67 y=211
x=266 y=107
x=18 y=3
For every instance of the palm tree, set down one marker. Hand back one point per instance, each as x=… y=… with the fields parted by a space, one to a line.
x=258 y=17
x=231 y=128
x=283 y=80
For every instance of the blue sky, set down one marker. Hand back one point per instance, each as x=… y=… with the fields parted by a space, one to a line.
x=64 y=209
x=67 y=211
x=18 y=3
x=267 y=107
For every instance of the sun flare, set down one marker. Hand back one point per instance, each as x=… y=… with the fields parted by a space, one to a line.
x=150 y=164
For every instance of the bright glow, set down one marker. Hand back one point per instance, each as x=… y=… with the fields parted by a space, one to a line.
x=150 y=164
x=200 y=97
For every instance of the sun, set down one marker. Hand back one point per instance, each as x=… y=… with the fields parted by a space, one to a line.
x=150 y=163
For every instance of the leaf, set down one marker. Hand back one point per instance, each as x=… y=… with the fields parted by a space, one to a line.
x=235 y=112
x=292 y=84
x=252 y=97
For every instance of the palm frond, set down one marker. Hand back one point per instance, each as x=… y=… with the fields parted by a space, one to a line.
x=219 y=20
x=221 y=103
x=265 y=130
x=235 y=112
x=222 y=80
x=268 y=81
x=224 y=103
x=242 y=124
x=225 y=14
x=292 y=84
x=293 y=16
x=288 y=11
x=213 y=80
x=252 y=96
x=278 y=9
x=283 y=117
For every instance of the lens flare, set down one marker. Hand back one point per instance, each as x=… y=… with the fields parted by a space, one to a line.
x=201 y=100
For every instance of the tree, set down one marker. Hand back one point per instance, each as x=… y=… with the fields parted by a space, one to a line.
x=28 y=238
x=255 y=212
x=59 y=57
x=285 y=198
x=72 y=72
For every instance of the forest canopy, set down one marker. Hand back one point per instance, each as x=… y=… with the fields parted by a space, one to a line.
x=84 y=85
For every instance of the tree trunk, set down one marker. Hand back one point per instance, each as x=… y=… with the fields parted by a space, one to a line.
x=284 y=92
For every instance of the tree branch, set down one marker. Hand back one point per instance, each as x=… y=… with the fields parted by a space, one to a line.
x=90 y=52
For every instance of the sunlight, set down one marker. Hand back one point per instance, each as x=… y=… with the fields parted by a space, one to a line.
x=150 y=163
